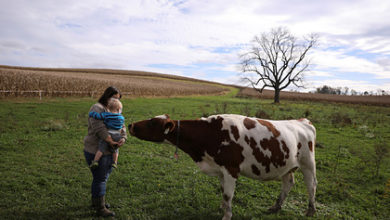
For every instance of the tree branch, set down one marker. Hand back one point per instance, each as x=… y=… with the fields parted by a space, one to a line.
x=277 y=59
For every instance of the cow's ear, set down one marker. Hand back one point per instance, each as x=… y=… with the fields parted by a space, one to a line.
x=168 y=126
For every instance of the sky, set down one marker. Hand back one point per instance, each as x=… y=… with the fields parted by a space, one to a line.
x=201 y=39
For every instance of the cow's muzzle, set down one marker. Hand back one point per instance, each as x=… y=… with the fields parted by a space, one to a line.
x=131 y=129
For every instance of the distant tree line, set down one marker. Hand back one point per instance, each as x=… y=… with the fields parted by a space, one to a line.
x=346 y=91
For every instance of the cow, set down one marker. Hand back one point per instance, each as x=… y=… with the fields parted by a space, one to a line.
x=229 y=145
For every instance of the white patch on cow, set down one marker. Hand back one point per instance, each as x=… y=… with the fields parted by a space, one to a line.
x=208 y=166
x=225 y=143
x=267 y=153
x=162 y=117
x=204 y=119
x=236 y=121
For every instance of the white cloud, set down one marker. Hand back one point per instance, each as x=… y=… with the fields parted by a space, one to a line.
x=316 y=73
x=357 y=85
x=140 y=34
x=340 y=61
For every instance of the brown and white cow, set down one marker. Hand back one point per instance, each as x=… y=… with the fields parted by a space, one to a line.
x=227 y=146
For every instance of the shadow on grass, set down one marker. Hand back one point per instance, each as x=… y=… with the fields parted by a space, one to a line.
x=219 y=215
x=213 y=214
x=72 y=212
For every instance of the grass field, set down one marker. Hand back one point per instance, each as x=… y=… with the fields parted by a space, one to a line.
x=44 y=174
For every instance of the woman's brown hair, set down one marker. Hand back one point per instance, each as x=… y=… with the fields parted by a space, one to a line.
x=108 y=93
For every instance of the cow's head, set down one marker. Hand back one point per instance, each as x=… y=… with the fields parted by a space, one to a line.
x=155 y=129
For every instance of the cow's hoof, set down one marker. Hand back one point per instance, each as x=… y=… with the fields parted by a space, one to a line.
x=227 y=216
x=310 y=212
x=274 y=209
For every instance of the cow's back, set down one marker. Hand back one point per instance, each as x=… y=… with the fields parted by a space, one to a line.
x=270 y=148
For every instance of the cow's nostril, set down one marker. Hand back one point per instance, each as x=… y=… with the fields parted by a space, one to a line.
x=130 y=125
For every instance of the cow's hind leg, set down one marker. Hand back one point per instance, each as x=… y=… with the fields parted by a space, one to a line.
x=228 y=184
x=309 y=176
x=287 y=184
x=222 y=190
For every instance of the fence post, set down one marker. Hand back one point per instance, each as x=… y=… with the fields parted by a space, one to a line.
x=40 y=94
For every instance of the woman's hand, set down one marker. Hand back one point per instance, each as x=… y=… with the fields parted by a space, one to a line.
x=121 y=142
x=111 y=142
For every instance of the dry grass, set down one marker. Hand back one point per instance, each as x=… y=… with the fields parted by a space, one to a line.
x=106 y=71
x=89 y=82
x=92 y=82
x=269 y=94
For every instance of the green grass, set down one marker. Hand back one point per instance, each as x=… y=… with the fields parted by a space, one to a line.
x=44 y=174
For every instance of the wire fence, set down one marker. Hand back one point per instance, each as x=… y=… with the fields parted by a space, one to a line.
x=42 y=93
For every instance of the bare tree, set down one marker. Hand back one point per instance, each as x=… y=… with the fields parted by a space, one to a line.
x=278 y=59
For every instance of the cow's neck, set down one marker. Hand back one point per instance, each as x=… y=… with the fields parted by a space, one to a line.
x=182 y=138
x=179 y=134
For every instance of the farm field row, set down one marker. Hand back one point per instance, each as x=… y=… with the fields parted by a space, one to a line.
x=45 y=175
x=20 y=82
x=315 y=97
x=61 y=82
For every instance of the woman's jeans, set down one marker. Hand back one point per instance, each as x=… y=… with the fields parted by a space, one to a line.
x=100 y=174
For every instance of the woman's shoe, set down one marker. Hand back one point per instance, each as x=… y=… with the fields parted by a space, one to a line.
x=95 y=203
x=101 y=210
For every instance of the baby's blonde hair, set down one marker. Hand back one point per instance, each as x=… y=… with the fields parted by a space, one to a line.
x=114 y=105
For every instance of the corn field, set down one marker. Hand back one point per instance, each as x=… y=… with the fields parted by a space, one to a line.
x=28 y=82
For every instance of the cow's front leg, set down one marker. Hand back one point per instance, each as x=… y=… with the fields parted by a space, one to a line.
x=228 y=184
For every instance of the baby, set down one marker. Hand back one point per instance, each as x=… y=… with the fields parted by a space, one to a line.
x=114 y=121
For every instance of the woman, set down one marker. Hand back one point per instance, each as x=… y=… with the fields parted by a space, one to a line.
x=96 y=131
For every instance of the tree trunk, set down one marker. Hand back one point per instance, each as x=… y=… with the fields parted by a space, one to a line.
x=277 y=96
